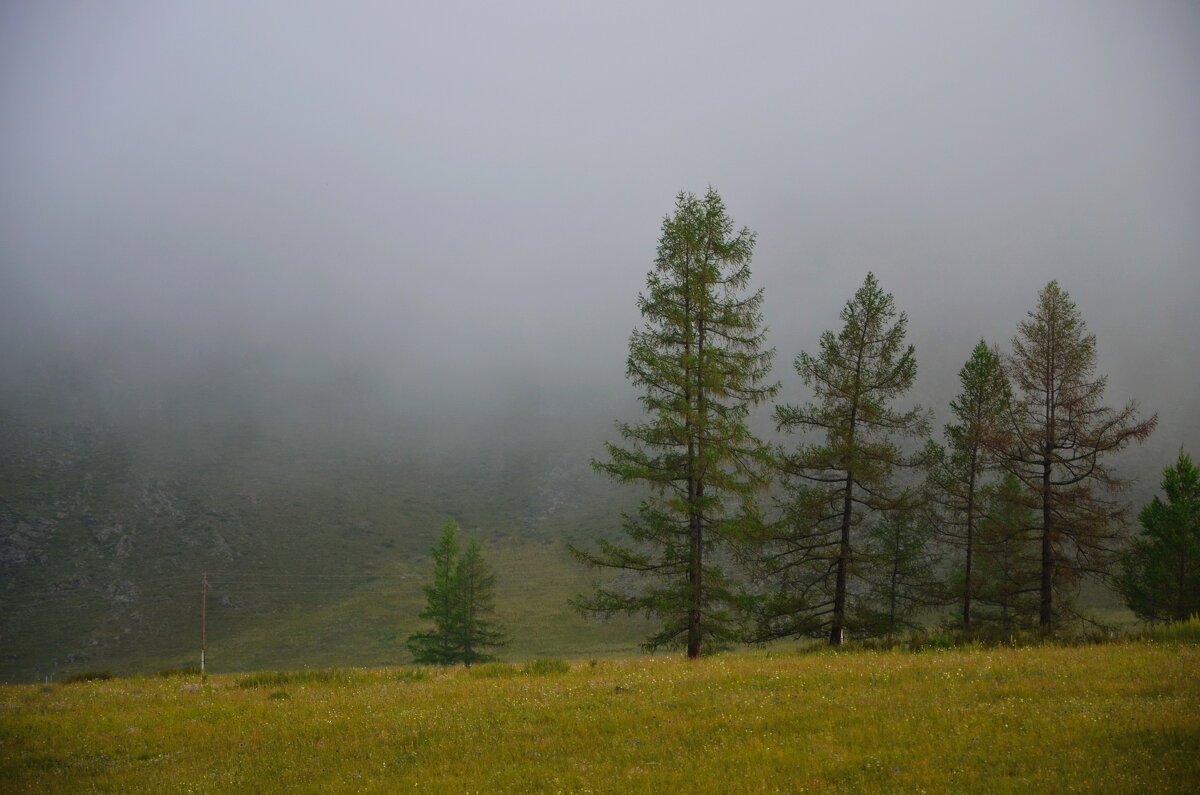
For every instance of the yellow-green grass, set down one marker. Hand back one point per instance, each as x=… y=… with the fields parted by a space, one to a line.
x=1123 y=717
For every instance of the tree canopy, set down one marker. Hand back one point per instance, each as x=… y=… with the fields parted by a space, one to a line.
x=837 y=484
x=1160 y=577
x=458 y=600
x=1061 y=436
x=957 y=472
x=701 y=363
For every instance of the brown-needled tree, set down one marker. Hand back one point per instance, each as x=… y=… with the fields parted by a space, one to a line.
x=1061 y=436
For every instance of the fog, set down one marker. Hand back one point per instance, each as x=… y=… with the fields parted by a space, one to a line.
x=455 y=205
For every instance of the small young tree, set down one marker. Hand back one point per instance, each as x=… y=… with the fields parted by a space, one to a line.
x=957 y=473
x=901 y=575
x=701 y=361
x=440 y=645
x=476 y=593
x=458 y=600
x=857 y=375
x=1160 y=577
x=1006 y=582
x=1061 y=433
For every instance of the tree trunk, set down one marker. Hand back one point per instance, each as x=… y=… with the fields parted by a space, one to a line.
x=1179 y=600
x=839 y=593
x=838 y=627
x=970 y=543
x=892 y=595
x=695 y=581
x=1045 y=612
x=695 y=495
x=469 y=620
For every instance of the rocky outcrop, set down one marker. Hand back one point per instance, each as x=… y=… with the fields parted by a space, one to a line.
x=23 y=542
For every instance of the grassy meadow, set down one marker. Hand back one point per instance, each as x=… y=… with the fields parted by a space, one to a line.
x=1117 y=717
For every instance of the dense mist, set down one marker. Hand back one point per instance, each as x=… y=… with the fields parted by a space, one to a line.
x=284 y=285
x=378 y=210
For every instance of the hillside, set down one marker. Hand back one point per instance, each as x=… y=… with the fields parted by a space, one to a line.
x=313 y=527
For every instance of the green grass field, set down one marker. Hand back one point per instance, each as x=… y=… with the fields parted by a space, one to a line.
x=1119 y=717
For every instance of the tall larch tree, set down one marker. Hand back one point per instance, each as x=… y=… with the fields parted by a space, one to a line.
x=837 y=484
x=475 y=630
x=957 y=473
x=701 y=361
x=1061 y=436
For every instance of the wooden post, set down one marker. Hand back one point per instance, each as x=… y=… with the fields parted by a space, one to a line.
x=203 y=618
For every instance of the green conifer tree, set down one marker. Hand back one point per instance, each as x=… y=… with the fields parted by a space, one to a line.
x=475 y=632
x=811 y=554
x=440 y=645
x=900 y=575
x=701 y=362
x=1006 y=581
x=458 y=600
x=1160 y=577
x=957 y=473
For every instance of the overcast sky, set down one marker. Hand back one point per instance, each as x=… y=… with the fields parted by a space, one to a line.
x=447 y=191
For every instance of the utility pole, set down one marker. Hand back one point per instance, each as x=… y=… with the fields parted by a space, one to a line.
x=203 y=618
